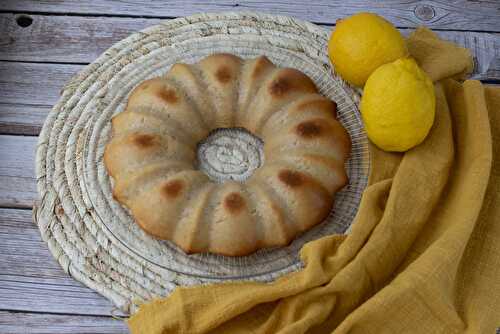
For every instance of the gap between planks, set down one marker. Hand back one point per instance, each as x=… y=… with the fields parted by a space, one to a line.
x=457 y=15
x=32 y=281
x=22 y=323
x=80 y=40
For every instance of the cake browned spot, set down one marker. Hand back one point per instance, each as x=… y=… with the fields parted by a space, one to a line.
x=290 y=80
x=172 y=189
x=280 y=86
x=234 y=203
x=168 y=95
x=144 y=140
x=223 y=74
x=291 y=178
x=308 y=129
x=152 y=155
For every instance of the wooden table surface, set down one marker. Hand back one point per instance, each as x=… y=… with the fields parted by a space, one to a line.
x=44 y=43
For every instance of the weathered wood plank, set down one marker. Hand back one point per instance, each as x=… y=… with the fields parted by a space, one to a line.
x=22 y=119
x=17 y=171
x=22 y=323
x=27 y=93
x=33 y=84
x=30 y=278
x=476 y=15
x=67 y=39
x=77 y=39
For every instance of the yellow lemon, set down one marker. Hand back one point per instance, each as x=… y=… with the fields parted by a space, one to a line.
x=361 y=43
x=398 y=105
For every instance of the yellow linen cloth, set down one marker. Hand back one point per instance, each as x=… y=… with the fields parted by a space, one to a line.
x=423 y=255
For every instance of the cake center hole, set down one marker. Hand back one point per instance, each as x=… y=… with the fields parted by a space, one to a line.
x=230 y=154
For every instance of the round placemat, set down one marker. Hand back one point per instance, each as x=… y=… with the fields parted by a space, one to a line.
x=93 y=237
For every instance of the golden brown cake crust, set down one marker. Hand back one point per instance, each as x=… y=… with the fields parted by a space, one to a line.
x=152 y=154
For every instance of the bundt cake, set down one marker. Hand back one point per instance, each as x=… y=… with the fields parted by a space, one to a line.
x=152 y=155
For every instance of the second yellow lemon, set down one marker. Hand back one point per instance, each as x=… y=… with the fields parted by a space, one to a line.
x=398 y=105
x=361 y=43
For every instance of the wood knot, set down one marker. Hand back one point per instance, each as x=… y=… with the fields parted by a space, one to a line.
x=172 y=189
x=291 y=178
x=308 y=129
x=234 y=203
x=424 y=12
x=223 y=74
x=24 y=21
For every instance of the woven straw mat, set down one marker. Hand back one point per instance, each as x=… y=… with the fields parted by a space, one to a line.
x=94 y=238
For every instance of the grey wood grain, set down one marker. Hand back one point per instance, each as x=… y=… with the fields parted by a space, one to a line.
x=27 y=93
x=30 y=278
x=476 y=15
x=22 y=119
x=17 y=171
x=32 y=83
x=31 y=323
x=77 y=39
x=66 y=39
